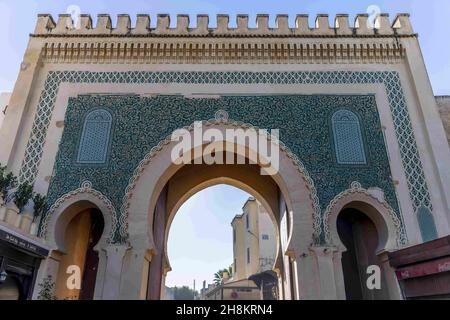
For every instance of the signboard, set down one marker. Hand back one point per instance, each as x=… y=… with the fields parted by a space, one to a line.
x=424 y=269
x=22 y=243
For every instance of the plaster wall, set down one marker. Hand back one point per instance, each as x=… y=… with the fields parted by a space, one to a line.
x=267 y=247
x=443 y=103
x=4 y=100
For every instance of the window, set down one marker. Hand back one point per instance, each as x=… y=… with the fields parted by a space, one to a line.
x=247 y=221
x=95 y=137
x=235 y=266
x=426 y=224
x=348 y=141
x=234 y=235
x=248 y=255
x=265 y=237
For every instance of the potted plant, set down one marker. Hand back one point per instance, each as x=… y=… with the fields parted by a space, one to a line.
x=7 y=182
x=39 y=207
x=22 y=195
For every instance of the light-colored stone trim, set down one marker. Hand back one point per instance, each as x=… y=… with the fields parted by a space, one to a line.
x=219 y=51
x=393 y=223
x=125 y=212
x=85 y=192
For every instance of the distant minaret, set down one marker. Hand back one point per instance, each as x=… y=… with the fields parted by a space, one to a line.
x=194 y=291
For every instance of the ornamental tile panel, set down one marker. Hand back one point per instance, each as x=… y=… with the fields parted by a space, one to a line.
x=275 y=114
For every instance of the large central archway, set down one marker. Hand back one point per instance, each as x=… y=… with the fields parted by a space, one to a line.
x=191 y=179
x=291 y=198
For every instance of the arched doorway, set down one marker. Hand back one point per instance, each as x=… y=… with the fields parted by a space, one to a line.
x=153 y=194
x=360 y=237
x=219 y=228
x=362 y=228
x=78 y=228
x=191 y=179
x=79 y=257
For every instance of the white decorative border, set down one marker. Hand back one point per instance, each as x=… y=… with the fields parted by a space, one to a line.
x=355 y=188
x=86 y=187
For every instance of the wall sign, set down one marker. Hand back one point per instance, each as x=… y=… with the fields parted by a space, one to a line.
x=424 y=269
x=22 y=243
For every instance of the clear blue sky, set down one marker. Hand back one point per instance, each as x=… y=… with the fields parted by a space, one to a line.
x=200 y=238
x=431 y=19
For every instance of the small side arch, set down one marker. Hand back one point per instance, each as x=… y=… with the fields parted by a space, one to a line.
x=372 y=203
x=68 y=206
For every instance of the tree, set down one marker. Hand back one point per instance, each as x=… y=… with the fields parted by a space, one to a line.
x=7 y=182
x=218 y=276
x=23 y=194
x=183 y=293
x=39 y=205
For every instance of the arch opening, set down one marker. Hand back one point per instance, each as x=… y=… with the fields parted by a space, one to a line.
x=288 y=193
x=190 y=180
x=220 y=227
x=363 y=235
x=81 y=227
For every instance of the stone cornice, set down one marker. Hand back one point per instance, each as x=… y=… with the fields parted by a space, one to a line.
x=222 y=51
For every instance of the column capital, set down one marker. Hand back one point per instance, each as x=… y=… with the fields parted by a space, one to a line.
x=324 y=250
x=116 y=249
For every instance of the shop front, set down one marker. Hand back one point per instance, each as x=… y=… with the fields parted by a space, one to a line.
x=20 y=257
x=423 y=271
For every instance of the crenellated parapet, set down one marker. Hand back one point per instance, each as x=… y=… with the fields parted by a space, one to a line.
x=401 y=26
x=166 y=42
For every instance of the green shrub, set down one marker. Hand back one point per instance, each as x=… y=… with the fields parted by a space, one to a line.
x=22 y=195
x=39 y=205
x=7 y=182
x=47 y=289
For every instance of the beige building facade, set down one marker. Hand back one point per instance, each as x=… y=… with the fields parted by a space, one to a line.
x=443 y=103
x=363 y=149
x=4 y=100
x=254 y=241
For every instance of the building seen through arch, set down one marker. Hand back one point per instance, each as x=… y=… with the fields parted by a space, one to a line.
x=254 y=252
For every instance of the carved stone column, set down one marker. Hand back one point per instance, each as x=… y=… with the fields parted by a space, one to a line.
x=306 y=279
x=339 y=275
x=393 y=287
x=134 y=280
x=48 y=267
x=326 y=272
x=110 y=268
